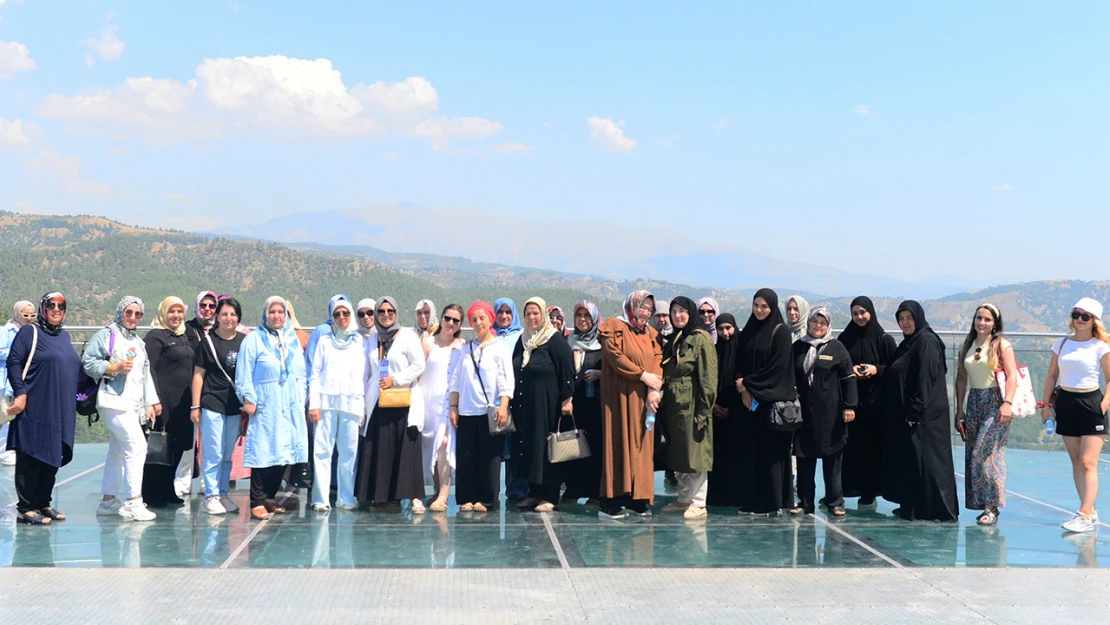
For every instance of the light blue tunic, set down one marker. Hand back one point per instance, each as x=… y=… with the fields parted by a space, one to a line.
x=277 y=434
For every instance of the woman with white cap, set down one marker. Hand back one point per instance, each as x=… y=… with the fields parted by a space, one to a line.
x=1072 y=389
x=22 y=313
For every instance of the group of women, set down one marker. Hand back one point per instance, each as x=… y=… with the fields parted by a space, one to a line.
x=679 y=386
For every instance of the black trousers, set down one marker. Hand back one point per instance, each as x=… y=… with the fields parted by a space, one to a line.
x=807 y=486
x=478 y=462
x=265 y=483
x=34 y=482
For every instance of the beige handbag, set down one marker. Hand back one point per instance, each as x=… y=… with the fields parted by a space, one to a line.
x=396 y=397
x=566 y=446
x=6 y=401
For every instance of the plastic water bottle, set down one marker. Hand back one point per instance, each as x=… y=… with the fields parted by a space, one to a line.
x=590 y=392
x=649 y=418
x=1050 y=426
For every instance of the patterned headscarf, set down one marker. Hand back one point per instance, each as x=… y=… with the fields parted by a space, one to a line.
x=43 y=325
x=631 y=306
x=432 y=318
x=200 y=298
x=815 y=343
x=533 y=339
x=712 y=327
x=122 y=306
x=163 y=320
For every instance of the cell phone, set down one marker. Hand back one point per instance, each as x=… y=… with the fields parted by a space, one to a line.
x=963 y=431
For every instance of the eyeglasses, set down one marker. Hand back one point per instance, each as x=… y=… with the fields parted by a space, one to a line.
x=556 y=317
x=133 y=313
x=362 y=314
x=387 y=311
x=56 y=306
x=340 y=314
x=206 y=306
x=27 y=315
x=707 y=313
x=451 y=320
x=1080 y=316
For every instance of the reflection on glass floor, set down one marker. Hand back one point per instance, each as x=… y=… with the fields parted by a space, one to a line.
x=1028 y=534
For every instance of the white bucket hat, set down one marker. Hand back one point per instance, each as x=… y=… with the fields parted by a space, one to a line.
x=1089 y=305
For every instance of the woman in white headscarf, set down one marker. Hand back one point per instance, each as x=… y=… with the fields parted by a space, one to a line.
x=425 y=318
x=22 y=313
x=797 y=312
x=364 y=314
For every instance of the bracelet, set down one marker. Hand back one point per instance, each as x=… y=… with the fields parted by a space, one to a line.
x=194 y=407
x=455 y=406
x=1006 y=401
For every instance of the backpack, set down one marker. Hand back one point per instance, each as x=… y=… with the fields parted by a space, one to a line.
x=87 y=388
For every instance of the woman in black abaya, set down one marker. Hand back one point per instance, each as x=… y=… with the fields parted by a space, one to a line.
x=918 y=472
x=871 y=350
x=724 y=487
x=764 y=375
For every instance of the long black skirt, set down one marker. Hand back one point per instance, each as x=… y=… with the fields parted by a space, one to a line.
x=390 y=464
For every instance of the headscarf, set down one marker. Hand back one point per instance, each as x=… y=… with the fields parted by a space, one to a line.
x=292 y=316
x=341 y=338
x=432 y=318
x=481 y=305
x=726 y=356
x=673 y=346
x=386 y=333
x=162 y=322
x=514 y=326
x=331 y=302
x=772 y=373
x=798 y=329
x=815 y=343
x=532 y=339
x=17 y=313
x=43 y=325
x=631 y=305
x=712 y=329
x=661 y=308
x=200 y=320
x=586 y=341
x=120 y=307
x=922 y=331
x=866 y=345
x=281 y=338
x=365 y=302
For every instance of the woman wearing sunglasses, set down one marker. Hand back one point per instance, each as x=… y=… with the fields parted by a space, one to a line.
x=203 y=320
x=1071 y=387
x=116 y=357
x=441 y=351
x=22 y=313
x=986 y=422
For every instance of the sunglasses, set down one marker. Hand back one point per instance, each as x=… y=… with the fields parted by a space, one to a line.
x=340 y=314
x=364 y=314
x=451 y=320
x=706 y=313
x=56 y=306
x=132 y=313
x=387 y=311
x=27 y=315
x=978 y=353
x=1081 y=316
x=206 y=306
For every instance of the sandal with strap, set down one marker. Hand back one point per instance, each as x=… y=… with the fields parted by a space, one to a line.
x=989 y=517
x=52 y=514
x=32 y=518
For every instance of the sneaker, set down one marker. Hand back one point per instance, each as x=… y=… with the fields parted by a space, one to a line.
x=213 y=505
x=417 y=506
x=639 y=508
x=346 y=506
x=228 y=504
x=320 y=507
x=108 y=508
x=694 y=512
x=7 y=459
x=612 y=515
x=675 y=507
x=136 y=510
x=1080 y=523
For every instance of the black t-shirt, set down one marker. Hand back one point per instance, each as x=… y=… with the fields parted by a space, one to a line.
x=218 y=394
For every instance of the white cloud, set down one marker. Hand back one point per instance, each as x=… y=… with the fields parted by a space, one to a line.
x=722 y=125
x=108 y=46
x=669 y=142
x=274 y=96
x=177 y=197
x=608 y=134
x=113 y=150
x=14 y=134
x=14 y=57
x=1002 y=187
x=863 y=109
x=65 y=170
x=512 y=148
x=391 y=156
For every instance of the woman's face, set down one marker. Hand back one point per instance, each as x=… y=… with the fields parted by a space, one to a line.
x=341 y=317
x=726 y=330
x=556 y=320
x=132 y=315
x=645 y=310
x=366 y=317
x=818 y=327
x=984 y=322
x=582 y=320
x=227 y=318
x=504 y=316
x=907 y=323
x=662 y=319
x=275 y=316
x=679 y=317
x=533 y=317
x=27 y=314
x=792 y=312
x=708 y=315
x=860 y=316
x=760 y=308
x=207 y=309
x=55 y=311
x=481 y=323
x=424 y=317
x=387 y=315
x=175 y=316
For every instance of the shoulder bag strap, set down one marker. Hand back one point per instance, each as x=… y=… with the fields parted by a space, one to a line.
x=34 y=346
x=216 y=358
x=478 y=371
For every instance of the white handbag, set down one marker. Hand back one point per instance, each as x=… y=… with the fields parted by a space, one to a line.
x=1025 y=401
x=6 y=401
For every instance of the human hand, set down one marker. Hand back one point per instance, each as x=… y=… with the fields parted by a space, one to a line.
x=314 y=415
x=249 y=408
x=652 y=381
x=386 y=382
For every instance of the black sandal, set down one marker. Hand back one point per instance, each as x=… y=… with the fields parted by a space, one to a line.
x=989 y=517
x=52 y=514
x=32 y=518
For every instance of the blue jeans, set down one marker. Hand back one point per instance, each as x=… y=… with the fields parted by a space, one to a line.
x=218 y=433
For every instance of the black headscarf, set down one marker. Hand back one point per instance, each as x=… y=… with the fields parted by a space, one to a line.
x=675 y=341
x=866 y=345
x=726 y=356
x=922 y=331
x=763 y=356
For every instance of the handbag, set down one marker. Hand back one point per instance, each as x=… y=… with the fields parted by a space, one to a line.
x=1024 y=403
x=158 y=449
x=393 y=397
x=6 y=401
x=569 y=445
x=784 y=416
x=491 y=411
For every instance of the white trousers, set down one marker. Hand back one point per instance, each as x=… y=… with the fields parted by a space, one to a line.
x=336 y=430
x=692 y=488
x=123 y=468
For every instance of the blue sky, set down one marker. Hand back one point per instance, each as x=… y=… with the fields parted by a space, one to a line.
x=902 y=139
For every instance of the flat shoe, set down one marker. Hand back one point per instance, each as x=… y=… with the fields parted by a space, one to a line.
x=417 y=506
x=32 y=518
x=479 y=507
x=52 y=514
x=273 y=508
x=466 y=507
x=545 y=507
x=260 y=513
x=438 y=506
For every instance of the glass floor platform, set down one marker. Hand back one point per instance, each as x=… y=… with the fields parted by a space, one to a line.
x=1028 y=534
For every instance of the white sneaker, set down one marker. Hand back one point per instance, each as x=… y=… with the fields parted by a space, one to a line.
x=347 y=506
x=7 y=459
x=228 y=504
x=108 y=508
x=136 y=510
x=694 y=512
x=1080 y=523
x=213 y=505
x=320 y=507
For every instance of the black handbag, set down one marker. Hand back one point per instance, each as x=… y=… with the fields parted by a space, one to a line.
x=785 y=416
x=158 y=449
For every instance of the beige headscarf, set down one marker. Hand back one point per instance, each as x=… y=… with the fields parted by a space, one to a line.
x=163 y=320
x=531 y=340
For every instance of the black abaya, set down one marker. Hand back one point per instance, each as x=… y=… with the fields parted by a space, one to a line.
x=583 y=477
x=541 y=388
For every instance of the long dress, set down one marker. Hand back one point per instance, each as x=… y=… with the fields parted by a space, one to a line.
x=541 y=388
x=171 y=366
x=276 y=434
x=863 y=455
x=627 y=468
x=583 y=477
x=724 y=488
x=919 y=473
x=437 y=422
x=46 y=427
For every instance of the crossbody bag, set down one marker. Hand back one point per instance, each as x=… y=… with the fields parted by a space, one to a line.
x=491 y=411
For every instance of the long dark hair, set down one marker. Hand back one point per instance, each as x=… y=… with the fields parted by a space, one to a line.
x=994 y=353
x=462 y=315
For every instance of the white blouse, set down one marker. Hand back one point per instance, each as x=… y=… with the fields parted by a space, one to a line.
x=339 y=376
x=496 y=364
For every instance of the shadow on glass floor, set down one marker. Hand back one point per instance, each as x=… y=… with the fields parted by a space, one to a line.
x=1027 y=535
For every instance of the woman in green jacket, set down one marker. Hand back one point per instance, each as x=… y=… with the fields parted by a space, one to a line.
x=690 y=390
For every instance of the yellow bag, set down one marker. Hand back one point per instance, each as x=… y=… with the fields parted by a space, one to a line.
x=395 y=398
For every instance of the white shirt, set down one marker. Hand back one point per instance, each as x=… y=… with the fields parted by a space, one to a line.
x=496 y=364
x=339 y=376
x=1080 y=362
